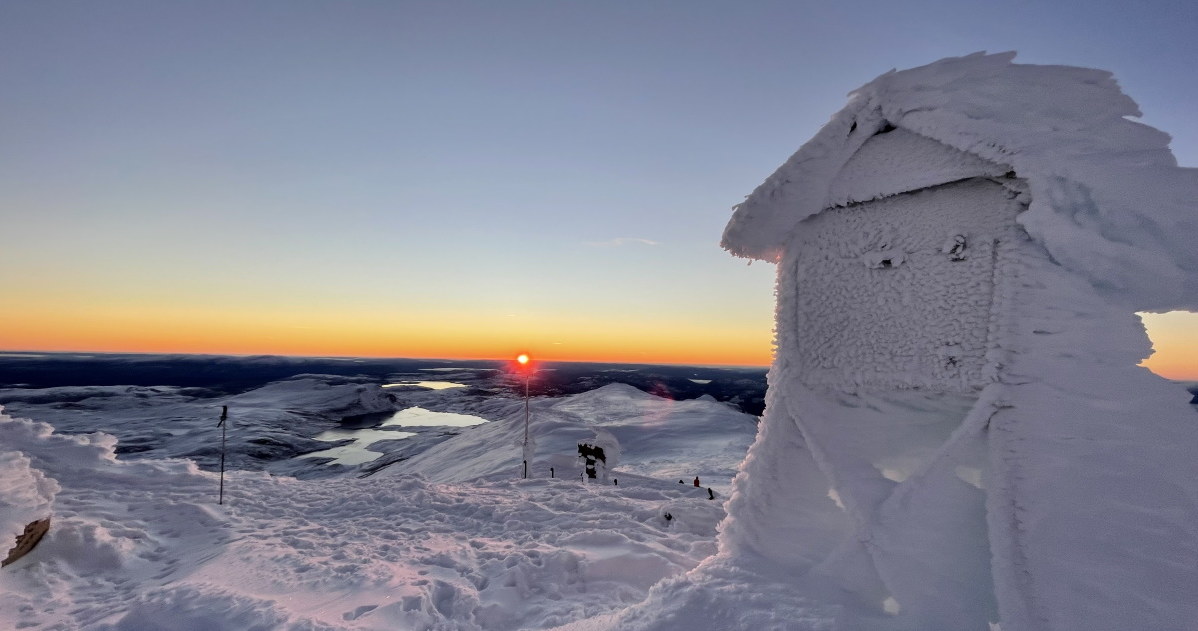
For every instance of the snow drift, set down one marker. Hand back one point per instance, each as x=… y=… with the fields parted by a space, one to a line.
x=26 y=495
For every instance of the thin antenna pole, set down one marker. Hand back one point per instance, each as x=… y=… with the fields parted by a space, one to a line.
x=526 y=426
x=224 y=429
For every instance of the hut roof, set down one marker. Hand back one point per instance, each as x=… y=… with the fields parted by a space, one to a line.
x=1108 y=200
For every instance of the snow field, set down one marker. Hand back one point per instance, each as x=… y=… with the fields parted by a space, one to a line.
x=141 y=545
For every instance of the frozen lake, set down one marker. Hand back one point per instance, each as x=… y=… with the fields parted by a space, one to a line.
x=358 y=452
x=430 y=385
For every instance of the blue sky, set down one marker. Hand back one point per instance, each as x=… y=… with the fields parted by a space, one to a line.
x=424 y=160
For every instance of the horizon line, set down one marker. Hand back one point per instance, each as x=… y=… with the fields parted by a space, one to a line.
x=372 y=357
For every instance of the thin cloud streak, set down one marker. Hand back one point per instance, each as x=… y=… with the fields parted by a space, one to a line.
x=620 y=241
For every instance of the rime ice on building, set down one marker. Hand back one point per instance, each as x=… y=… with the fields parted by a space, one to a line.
x=957 y=434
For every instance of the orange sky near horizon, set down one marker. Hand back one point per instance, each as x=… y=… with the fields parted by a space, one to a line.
x=452 y=336
x=449 y=336
x=1175 y=338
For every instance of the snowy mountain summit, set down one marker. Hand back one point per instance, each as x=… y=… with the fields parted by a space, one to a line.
x=957 y=435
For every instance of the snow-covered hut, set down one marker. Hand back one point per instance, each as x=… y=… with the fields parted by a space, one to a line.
x=957 y=434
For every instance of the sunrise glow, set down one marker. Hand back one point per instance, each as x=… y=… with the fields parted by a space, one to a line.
x=183 y=328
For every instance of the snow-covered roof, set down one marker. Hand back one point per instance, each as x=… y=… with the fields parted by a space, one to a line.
x=1108 y=200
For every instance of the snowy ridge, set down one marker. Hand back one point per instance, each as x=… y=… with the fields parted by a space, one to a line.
x=657 y=438
x=1108 y=199
x=319 y=394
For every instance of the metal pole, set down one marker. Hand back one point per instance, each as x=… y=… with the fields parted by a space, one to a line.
x=224 y=429
x=526 y=425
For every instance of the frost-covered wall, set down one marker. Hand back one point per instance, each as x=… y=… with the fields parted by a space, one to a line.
x=898 y=291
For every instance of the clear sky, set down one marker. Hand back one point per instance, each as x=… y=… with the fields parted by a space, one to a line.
x=462 y=179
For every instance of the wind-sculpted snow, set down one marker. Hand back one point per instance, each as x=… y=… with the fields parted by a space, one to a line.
x=1109 y=202
x=26 y=495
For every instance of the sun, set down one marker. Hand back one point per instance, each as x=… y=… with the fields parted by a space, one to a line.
x=522 y=359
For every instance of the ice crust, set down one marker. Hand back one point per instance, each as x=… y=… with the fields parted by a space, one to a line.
x=1108 y=199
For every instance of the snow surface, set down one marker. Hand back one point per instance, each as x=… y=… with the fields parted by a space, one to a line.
x=26 y=497
x=141 y=545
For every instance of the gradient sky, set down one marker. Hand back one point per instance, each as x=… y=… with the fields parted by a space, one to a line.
x=462 y=179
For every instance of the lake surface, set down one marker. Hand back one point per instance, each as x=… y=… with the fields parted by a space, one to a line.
x=355 y=452
x=430 y=385
x=420 y=417
x=359 y=452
